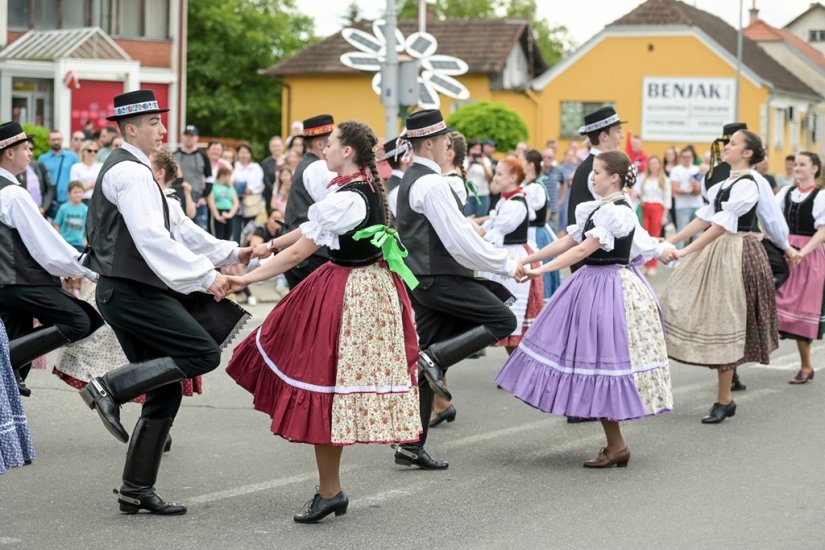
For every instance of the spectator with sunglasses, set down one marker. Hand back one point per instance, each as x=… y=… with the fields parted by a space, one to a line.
x=86 y=170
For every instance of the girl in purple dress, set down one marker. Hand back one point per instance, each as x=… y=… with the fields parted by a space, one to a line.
x=597 y=350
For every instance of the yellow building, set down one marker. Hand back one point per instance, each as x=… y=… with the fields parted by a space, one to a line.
x=670 y=71
x=501 y=54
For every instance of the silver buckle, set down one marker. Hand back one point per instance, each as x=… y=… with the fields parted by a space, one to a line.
x=99 y=387
x=128 y=500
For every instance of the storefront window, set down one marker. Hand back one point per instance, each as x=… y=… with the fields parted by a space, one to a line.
x=126 y=18
x=46 y=14
x=19 y=14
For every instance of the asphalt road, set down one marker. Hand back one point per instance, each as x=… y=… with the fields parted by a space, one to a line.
x=515 y=478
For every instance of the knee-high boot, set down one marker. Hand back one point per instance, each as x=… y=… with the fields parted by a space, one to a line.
x=435 y=360
x=27 y=348
x=141 y=470
x=108 y=392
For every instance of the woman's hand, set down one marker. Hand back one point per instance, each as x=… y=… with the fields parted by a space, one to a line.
x=261 y=251
x=235 y=283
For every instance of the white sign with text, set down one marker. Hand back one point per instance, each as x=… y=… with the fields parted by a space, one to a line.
x=686 y=110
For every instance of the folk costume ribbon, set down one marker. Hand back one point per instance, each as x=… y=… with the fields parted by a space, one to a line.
x=394 y=251
x=473 y=190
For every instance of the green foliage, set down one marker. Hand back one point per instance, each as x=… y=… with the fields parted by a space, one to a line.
x=353 y=14
x=229 y=41
x=487 y=120
x=41 y=137
x=553 y=42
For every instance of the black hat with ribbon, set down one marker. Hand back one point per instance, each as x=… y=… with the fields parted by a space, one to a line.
x=729 y=129
x=137 y=103
x=11 y=133
x=425 y=124
x=599 y=120
x=394 y=149
x=320 y=125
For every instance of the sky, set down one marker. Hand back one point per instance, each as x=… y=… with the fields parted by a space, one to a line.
x=582 y=23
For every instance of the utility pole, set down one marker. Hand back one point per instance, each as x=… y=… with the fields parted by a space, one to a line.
x=422 y=15
x=738 y=61
x=389 y=74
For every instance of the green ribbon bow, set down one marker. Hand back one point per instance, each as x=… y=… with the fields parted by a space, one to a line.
x=471 y=187
x=394 y=251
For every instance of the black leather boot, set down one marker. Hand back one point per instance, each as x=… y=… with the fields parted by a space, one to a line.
x=736 y=384
x=446 y=353
x=106 y=393
x=141 y=470
x=27 y=348
x=168 y=445
x=409 y=455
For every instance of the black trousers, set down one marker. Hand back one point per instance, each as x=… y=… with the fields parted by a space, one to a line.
x=151 y=323
x=301 y=271
x=52 y=306
x=446 y=306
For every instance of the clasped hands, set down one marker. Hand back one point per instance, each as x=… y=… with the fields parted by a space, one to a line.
x=794 y=257
x=227 y=284
x=525 y=273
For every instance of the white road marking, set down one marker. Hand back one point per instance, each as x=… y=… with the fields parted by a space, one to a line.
x=9 y=540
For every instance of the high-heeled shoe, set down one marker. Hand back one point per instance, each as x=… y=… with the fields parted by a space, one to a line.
x=318 y=508
x=607 y=458
x=447 y=414
x=719 y=412
x=802 y=377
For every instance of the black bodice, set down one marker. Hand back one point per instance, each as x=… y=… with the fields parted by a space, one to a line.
x=361 y=252
x=800 y=215
x=748 y=222
x=519 y=234
x=621 y=246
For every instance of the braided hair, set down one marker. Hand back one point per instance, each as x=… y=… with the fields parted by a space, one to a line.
x=617 y=162
x=459 y=146
x=363 y=141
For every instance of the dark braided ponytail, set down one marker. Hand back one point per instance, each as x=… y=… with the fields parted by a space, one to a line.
x=363 y=141
x=459 y=147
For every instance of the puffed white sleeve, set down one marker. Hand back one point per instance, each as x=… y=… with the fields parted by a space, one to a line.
x=743 y=197
x=336 y=214
x=612 y=222
x=583 y=211
x=507 y=219
x=707 y=211
x=819 y=210
x=185 y=231
x=536 y=198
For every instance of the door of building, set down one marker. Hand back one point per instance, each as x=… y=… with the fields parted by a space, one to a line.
x=32 y=101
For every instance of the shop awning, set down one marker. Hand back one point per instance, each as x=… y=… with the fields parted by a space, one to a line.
x=87 y=43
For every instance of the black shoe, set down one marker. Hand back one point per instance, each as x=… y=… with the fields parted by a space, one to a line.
x=168 y=445
x=132 y=503
x=434 y=376
x=719 y=412
x=447 y=414
x=736 y=384
x=22 y=388
x=318 y=508
x=577 y=420
x=98 y=397
x=408 y=456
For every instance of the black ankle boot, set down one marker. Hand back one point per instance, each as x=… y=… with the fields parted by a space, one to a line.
x=22 y=388
x=736 y=384
x=106 y=393
x=141 y=470
x=168 y=445
x=719 y=412
x=318 y=508
x=438 y=357
x=408 y=455
x=27 y=348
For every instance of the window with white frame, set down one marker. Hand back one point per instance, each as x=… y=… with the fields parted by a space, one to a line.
x=572 y=116
x=778 y=128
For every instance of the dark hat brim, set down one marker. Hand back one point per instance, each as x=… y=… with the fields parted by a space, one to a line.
x=115 y=118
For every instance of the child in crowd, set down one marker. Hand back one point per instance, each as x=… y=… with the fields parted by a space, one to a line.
x=70 y=222
x=223 y=204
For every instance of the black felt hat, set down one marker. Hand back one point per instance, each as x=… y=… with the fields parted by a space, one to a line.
x=600 y=119
x=320 y=125
x=11 y=133
x=426 y=124
x=729 y=129
x=139 y=102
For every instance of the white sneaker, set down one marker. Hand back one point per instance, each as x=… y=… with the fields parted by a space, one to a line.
x=251 y=301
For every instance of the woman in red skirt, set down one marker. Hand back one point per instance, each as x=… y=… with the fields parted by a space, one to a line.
x=799 y=301
x=335 y=362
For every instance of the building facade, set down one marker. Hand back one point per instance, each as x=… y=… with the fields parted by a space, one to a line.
x=62 y=61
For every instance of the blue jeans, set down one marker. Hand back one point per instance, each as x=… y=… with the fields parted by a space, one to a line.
x=202 y=217
x=473 y=206
x=683 y=217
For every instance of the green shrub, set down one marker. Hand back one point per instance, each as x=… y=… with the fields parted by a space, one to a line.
x=487 y=120
x=41 y=137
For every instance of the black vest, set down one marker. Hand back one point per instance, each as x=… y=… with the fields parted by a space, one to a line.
x=361 y=252
x=299 y=201
x=519 y=234
x=17 y=266
x=112 y=251
x=393 y=182
x=800 y=215
x=747 y=222
x=621 y=247
x=541 y=213
x=579 y=192
x=428 y=256
x=721 y=172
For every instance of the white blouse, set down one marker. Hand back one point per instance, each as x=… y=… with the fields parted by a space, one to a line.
x=252 y=174
x=86 y=175
x=507 y=216
x=767 y=209
x=332 y=216
x=613 y=222
x=797 y=197
x=536 y=198
x=458 y=187
x=650 y=191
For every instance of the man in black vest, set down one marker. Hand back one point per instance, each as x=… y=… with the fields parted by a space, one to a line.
x=33 y=257
x=309 y=185
x=456 y=315
x=145 y=270
x=396 y=155
x=604 y=131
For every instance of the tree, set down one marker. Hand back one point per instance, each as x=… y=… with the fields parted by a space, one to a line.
x=229 y=41
x=353 y=14
x=553 y=42
x=487 y=120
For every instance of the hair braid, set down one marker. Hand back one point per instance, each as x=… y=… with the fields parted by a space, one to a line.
x=363 y=141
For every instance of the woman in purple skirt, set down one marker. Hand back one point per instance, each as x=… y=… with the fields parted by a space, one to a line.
x=597 y=350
